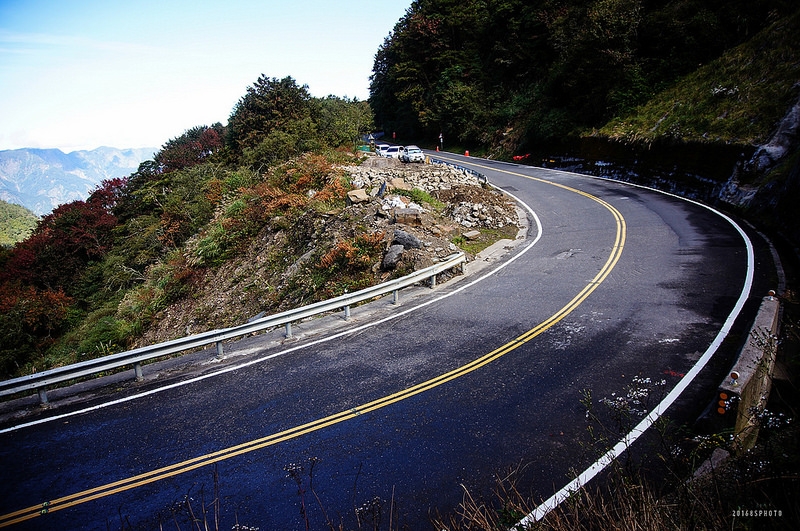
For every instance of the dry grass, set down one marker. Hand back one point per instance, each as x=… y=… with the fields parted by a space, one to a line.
x=631 y=502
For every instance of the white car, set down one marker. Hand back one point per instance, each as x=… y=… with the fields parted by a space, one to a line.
x=392 y=152
x=380 y=149
x=412 y=154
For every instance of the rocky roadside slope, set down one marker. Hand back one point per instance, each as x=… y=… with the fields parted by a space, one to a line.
x=417 y=230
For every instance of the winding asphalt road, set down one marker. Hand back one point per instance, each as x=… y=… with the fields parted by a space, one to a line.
x=409 y=407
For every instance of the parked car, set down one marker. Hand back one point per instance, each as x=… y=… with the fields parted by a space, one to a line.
x=380 y=149
x=412 y=154
x=392 y=151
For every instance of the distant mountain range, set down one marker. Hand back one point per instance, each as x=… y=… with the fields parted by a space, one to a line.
x=42 y=179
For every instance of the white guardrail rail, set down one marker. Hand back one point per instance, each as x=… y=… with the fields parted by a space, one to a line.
x=40 y=380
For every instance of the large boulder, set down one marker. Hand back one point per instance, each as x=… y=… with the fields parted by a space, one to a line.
x=409 y=241
x=392 y=257
x=357 y=196
x=408 y=216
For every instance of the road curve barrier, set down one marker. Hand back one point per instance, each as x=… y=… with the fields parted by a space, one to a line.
x=745 y=391
x=478 y=175
x=41 y=380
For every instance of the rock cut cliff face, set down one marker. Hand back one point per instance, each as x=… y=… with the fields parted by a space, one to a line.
x=761 y=182
x=767 y=186
x=783 y=144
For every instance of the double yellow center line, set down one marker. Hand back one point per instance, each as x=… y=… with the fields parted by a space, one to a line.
x=257 y=444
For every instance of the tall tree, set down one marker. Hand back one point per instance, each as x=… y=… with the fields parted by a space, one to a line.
x=340 y=121
x=191 y=148
x=269 y=105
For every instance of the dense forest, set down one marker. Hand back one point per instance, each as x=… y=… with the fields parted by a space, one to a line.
x=509 y=76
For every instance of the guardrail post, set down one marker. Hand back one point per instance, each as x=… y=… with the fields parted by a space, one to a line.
x=288 y=333
x=42 y=396
x=347 y=312
x=433 y=281
x=137 y=369
x=396 y=296
x=219 y=349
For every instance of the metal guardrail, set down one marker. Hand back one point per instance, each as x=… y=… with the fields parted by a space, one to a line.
x=39 y=381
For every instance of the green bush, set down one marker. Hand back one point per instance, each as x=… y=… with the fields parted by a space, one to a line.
x=212 y=246
x=421 y=197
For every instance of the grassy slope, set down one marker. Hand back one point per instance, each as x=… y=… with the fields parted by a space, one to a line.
x=736 y=99
x=16 y=223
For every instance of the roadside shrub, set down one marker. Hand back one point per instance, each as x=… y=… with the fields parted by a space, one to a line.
x=167 y=282
x=239 y=179
x=348 y=265
x=30 y=319
x=210 y=249
x=357 y=254
x=334 y=191
x=101 y=333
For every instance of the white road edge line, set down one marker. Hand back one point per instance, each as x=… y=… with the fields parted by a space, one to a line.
x=306 y=345
x=599 y=465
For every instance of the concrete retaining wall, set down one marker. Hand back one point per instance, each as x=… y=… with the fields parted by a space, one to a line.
x=745 y=390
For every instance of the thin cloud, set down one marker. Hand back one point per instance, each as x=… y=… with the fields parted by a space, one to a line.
x=34 y=42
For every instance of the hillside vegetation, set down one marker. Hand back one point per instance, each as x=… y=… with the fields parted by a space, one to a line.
x=735 y=99
x=16 y=223
x=508 y=76
x=225 y=223
x=685 y=95
x=97 y=274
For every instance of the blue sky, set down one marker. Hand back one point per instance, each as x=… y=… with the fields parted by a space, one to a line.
x=82 y=74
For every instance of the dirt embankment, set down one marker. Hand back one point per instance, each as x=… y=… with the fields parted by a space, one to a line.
x=269 y=275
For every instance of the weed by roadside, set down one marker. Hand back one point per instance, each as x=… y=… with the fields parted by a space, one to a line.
x=755 y=491
x=486 y=238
